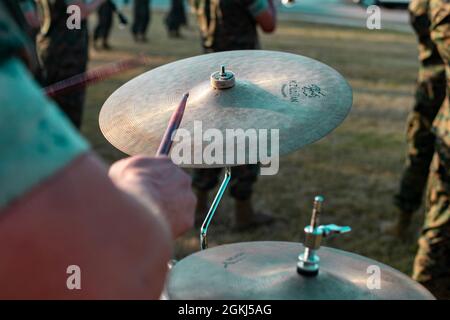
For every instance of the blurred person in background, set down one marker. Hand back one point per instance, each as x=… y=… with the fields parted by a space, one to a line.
x=64 y=52
x=141 y=16
x=176 y=18
x=232 y=25
x=432 y=262
x=104 y=24
x=429 y=96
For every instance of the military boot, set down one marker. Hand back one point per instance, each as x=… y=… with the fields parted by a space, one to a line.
x=400 y=227
x=246 y=217
x=202 y=206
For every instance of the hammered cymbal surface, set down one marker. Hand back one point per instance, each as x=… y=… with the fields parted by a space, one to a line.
x=267 y=270
x=303 y=98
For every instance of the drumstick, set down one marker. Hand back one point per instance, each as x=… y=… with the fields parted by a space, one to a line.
x=174 y=123
x=92 y=76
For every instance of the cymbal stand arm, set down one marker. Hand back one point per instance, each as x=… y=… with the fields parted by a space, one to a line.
x=213 y=208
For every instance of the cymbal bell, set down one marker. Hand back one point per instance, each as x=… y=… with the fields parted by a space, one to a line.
x=302 y=98
x=267 y=270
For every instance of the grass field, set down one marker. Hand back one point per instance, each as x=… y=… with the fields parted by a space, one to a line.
x=356 y=167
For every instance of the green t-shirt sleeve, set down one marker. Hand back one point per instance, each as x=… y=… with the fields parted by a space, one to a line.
x=36 y=139
x=256 y=7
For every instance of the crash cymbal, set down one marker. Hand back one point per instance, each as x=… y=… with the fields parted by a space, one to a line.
x=267 y=270
x=303 y=98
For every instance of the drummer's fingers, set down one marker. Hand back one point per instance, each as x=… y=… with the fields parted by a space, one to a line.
x=186 y=216
x=134 y=163
x=191 y=200
x=185 y=179
x=169 y=172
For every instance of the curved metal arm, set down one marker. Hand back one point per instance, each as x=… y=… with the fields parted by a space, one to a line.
x=213 y=208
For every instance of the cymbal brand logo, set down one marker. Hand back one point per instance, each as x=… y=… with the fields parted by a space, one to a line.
x=234 y=259
x=312 y=91
x=226 y=147
x=294 y=92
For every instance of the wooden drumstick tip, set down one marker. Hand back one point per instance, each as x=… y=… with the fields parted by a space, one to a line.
x=174 y=123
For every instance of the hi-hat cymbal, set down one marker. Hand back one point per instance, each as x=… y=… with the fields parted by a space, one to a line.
x=267 y=270
x=303 y=98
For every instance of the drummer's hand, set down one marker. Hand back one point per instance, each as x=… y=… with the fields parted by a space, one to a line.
x=161 y=186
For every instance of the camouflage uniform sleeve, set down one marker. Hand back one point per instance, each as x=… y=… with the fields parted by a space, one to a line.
x=256 y=7
x=440 y=33
x=431 y=265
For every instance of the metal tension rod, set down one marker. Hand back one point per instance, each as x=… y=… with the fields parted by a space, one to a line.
x=212 y=209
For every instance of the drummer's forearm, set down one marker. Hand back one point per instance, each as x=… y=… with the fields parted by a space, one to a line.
x=80 y=205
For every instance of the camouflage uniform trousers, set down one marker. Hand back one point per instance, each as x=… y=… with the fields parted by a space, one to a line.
x=176 y=16
x=227 y=25
x=241 y=183
x=141 y=17
x=105 y=21
x=243 y=177
x=64 y=53
x=429 y=96
x=432 y=263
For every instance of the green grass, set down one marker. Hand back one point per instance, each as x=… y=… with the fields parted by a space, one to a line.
x=357 y=167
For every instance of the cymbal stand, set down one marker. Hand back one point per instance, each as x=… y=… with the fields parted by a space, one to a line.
x=213 y=208
x=308 y=260
x=220 y=80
